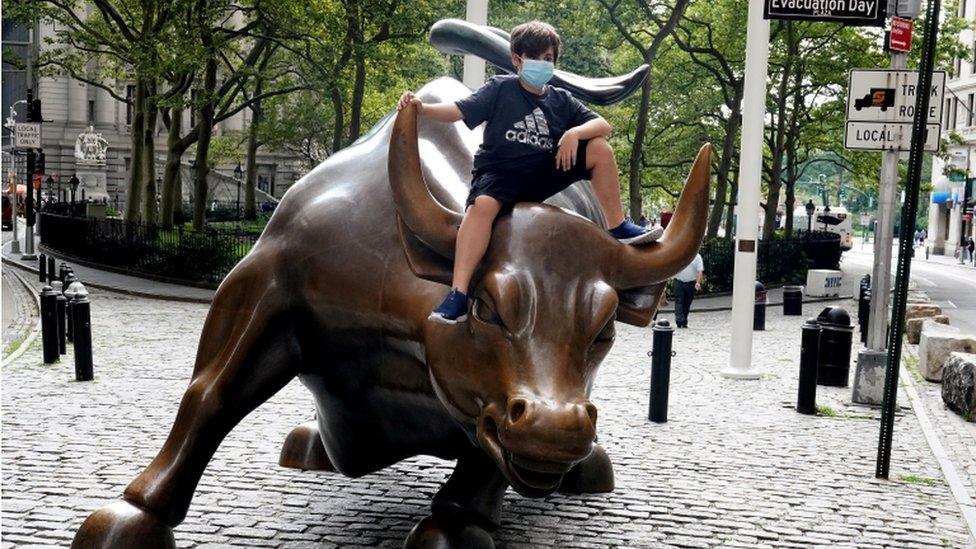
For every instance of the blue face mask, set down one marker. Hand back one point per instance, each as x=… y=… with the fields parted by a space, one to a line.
x=536 y=72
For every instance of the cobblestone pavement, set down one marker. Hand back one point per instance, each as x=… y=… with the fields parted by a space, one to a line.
x=735 y=466
x=20 y=312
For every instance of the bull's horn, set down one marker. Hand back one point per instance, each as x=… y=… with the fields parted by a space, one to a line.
x=435 y=225
x=644 y=265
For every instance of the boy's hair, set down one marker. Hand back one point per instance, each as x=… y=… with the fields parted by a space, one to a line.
x=534 y=38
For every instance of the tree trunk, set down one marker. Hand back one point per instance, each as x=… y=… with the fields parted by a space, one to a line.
x=779 y=139
x=150 y=208
x=359 y=87
x=636 y=151
x=725 y=165
x=250 y=212
x=133 y=195
x=205 y=131
x=337 y=123
x=733 y=197
x=171 y=171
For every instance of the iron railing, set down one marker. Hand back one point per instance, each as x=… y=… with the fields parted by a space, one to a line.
x=178 y=254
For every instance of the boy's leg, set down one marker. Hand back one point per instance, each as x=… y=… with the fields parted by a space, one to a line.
x=473 y=238
x=606 y=182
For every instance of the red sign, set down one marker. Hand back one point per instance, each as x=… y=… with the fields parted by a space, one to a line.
x=967 y=217
x=901 y=34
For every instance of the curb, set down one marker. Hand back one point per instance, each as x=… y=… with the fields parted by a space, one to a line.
x=126 y=291
x=770 y=304
x=35 y=331
x=959 y=492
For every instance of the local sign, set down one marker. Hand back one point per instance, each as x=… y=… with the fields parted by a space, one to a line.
x=848 y=12
x=880 y=136
x=900 y=38
x=27 y=135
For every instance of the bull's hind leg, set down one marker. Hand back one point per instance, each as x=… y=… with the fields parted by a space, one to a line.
x=466 y=509
x=248 y=351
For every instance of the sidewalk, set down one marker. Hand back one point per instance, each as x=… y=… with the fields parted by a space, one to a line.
x=106 y=280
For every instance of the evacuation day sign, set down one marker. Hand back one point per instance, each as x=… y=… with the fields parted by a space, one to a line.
x=848 y=12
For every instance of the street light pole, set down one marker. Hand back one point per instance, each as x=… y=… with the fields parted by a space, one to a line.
x=238 y=173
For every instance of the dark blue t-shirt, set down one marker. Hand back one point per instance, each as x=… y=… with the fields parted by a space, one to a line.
x=523 y=129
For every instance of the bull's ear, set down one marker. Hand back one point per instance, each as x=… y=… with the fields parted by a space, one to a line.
x=424 y=262
x=638 y=305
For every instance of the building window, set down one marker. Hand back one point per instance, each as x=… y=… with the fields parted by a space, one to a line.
x=945 y=115
x=91 y=111
x=969 y=106
x=130 y=107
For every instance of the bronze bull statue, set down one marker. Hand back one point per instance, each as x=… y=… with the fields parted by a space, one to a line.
x=344 y=308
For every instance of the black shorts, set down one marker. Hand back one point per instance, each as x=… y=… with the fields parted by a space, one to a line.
x=511 y=187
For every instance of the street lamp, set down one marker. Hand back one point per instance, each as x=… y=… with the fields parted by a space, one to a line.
x=238 y=174
x=810 y=209
x=74 y=182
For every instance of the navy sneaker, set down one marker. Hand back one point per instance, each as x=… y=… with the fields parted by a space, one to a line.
x=629 y=232
x=452 y=310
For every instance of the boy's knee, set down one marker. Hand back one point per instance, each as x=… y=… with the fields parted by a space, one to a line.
x=485 y=205
x=599 y=148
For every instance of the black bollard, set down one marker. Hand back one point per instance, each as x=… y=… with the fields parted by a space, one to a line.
x=69 y=294
x=49 y=325
x=660 y=371
x=864 y=315
x=62 y=273
x=62 y=309
x=759 y=313
x=806 y=397
x=81 y=309
x=42 y=268
x=50 y=269
x=792 y=300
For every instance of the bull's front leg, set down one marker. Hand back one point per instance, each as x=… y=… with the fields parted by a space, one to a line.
x=248 y=351
x=466 y=509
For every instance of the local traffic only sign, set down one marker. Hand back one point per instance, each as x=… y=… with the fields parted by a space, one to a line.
x=881 y=108
x=27 y=135
x=869 y=13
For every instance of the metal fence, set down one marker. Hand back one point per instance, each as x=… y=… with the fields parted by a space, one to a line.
x=179 y=254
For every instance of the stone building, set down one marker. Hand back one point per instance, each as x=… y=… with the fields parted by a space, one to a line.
x=71 y=106
x=954 y=192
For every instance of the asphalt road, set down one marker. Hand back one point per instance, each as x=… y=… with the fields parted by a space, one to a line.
x=949 y=285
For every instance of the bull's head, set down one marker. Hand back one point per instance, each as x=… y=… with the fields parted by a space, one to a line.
x=544 y=301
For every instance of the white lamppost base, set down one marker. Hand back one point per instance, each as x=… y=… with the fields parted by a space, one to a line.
x=734 y=373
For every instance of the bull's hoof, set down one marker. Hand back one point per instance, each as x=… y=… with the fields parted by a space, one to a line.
x=304 y=450
x=122 y=525
x=443 y=532
x=593 y=475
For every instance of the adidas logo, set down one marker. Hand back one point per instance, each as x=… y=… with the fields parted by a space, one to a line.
x=534 y=130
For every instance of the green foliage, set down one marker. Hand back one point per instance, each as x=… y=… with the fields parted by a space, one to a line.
x=826 y=411
x=918 y=479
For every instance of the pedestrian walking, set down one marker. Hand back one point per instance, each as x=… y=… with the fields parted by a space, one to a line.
x=972 y=249
x=686 y=282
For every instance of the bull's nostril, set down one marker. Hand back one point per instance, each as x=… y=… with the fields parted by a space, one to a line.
x=516 y=409
x=591 y=411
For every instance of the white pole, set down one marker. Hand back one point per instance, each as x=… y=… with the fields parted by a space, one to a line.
x=747 y=222
x=474 y=67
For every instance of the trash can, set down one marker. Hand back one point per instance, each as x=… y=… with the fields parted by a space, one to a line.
x=759 y=311
x=792 y=300
x=836 y=335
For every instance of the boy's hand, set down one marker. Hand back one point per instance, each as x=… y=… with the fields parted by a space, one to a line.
x=408 y=98
x=566 y=154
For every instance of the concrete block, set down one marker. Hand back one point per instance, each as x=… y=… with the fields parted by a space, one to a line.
x=913 y=326
x=869 y=377
x=935 y=345
x=921 y=310
x=959 y=384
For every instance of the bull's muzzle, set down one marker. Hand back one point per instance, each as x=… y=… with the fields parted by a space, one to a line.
x=536 y=441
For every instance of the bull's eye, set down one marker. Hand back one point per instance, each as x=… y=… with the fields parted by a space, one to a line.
x=485 y=312
x=606 y=335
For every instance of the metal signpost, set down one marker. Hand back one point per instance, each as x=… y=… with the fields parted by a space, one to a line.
x=905 y=243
